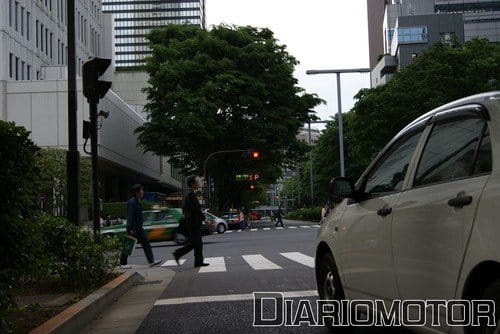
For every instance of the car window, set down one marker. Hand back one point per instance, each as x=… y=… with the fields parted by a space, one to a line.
x=484 y=158
x=390 y=173
x=449 y=152
x=163 y=215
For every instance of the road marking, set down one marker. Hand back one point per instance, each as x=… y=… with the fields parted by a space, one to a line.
x=253 y=230
x=172 y=263
x=279 y=228
x=292 y=227
x=216 y=265
x=258 y=262
x=228 y=232
x=229 y=298
x=300 y=258
x=306 y=226
x=267 y=228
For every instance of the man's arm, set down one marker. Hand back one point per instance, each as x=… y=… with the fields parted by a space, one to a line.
x=131 y=223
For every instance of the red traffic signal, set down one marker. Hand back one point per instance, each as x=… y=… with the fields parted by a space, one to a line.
x=254 y=154
x=252 y=187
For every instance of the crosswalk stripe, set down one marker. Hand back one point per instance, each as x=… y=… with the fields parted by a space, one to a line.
x=172 y=263
x=254 y=229
x=216 y=265
x=306 y=226
x=279 y=228
x=258 y=262
x=292 y=227
x=267 y=228
x=300 y=258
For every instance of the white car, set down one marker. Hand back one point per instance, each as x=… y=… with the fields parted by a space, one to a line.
x=423 y=221
x=221 y=224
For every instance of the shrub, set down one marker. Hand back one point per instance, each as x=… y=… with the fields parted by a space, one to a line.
x=19 y=237
x=79 y=260
x=309 y=214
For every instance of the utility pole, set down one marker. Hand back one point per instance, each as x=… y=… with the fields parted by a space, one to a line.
x=339 y=111
x=72 y=155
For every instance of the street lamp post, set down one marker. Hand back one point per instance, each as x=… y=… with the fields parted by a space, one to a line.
x=339 y=100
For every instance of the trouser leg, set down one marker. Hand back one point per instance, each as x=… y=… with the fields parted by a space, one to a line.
x=146 y=246
x=123 y=259
x=197 y=244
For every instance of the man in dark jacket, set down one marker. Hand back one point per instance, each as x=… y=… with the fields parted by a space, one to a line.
x=134 y=226
x=193 y=217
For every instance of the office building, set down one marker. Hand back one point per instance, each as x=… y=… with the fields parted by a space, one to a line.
x=133 y=20
x=411 y=26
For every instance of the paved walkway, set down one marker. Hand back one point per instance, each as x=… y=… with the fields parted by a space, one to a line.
x=127 y=313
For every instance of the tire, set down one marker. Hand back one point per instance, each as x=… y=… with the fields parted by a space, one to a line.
x=492 y=292
x=221 y=228
x=328 y=280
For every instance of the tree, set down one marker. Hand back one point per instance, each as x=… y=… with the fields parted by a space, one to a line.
x=440 y=75
x=52 y=181
x=227 y=88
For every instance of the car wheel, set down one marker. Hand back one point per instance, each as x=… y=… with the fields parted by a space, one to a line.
x=221 y=228
x=492 y=292
x=329 y=285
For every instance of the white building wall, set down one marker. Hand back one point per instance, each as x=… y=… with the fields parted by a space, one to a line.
x=41 y=107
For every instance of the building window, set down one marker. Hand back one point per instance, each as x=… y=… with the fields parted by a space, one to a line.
x=16 y=14
x=46 y=41
x=22 y=21
x=28 y=25
x=38 y=75
x=22 y=69
x=51 y=45
x=41 y=37
x=412 y=35
x=28 y=72
x=10 y=13
x=11 y=65
x=17 y=68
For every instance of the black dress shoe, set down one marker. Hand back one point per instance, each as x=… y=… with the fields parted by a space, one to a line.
x=201 y=265
x=176 y=258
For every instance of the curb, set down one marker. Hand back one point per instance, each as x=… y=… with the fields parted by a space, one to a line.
x=76 y=317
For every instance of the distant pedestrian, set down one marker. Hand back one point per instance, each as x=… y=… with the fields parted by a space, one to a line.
x=325 y=211
x=279 y=217
x=241 y=217
x=134 y=226
x=193 y=219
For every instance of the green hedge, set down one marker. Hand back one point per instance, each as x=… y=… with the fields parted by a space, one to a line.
x=308 y=214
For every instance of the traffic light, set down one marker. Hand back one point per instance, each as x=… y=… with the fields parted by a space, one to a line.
x=252 y=187
x=93 y=88
x=254 y=154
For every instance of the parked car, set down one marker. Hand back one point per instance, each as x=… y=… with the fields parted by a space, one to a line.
x=159 y=225
x=422 y=220
x=220 y=224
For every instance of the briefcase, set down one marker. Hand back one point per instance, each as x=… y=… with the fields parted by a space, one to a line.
x=129 y=243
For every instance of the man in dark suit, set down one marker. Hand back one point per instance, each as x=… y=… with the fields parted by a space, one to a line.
x=193 y=218
x=134 y=226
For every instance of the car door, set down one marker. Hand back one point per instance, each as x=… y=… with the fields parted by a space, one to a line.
x=366 y=224
x=433 y=219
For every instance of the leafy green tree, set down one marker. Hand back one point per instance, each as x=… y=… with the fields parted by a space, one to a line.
x=227 y=88
x=52 y=180
x=439 y=75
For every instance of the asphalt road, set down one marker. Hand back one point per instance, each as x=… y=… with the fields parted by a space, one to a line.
x=218 y=298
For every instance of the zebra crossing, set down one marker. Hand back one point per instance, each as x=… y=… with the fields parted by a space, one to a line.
x=253 y=229
x=254 y=261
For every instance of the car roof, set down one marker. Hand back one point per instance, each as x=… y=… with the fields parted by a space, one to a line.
x=474 y=99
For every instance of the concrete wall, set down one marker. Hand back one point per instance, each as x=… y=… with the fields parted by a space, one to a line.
x=129 y=85
x=41 y=107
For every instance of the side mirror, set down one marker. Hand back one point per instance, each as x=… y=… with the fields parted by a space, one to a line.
x=342 y=187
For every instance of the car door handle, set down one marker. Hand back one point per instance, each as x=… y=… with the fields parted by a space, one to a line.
x=384 y=212
x=460 y=201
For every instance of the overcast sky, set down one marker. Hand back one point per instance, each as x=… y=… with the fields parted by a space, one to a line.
x=321 y=34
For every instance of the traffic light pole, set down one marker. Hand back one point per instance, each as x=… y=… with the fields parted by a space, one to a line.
x=72 y=155
x=96 y=207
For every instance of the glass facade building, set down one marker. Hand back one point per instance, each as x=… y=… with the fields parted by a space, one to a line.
x=134 y=19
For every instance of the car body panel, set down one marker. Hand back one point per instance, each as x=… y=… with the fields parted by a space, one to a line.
x=435 y=252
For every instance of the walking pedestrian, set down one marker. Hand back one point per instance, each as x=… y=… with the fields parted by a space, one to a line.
x=134 y=226
x=193 y=217
x=279 y=217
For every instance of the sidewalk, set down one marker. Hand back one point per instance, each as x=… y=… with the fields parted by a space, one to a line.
x=127 y=313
